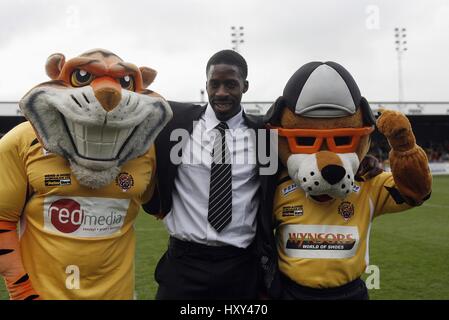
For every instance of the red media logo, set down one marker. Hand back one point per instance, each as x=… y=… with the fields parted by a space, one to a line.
x=66 y=215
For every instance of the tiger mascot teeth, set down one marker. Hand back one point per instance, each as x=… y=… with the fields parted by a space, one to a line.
x=96 y=113
x=75 y=176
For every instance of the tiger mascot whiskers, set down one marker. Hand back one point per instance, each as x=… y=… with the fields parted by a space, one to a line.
x=75 y=176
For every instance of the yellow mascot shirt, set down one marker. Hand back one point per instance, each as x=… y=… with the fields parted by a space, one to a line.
x=326 y=245
x=76 y=242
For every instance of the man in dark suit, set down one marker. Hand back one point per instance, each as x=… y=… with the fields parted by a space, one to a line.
x=217 y=208
x=210 y=199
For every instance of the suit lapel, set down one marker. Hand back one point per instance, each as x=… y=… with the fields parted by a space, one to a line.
x=195 y=116
x=184 y=118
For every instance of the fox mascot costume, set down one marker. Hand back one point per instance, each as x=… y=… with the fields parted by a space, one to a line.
x=74 y=175
x=322 y=214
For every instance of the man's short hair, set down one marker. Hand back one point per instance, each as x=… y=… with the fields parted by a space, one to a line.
x=229 y=57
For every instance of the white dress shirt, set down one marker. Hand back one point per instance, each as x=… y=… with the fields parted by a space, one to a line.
x=187 y=219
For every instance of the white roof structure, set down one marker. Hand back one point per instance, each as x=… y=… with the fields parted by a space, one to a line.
x=414 y=108
x=11 y=108
x=408 y=108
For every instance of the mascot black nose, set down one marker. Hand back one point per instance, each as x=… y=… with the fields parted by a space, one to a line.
x=333 y=173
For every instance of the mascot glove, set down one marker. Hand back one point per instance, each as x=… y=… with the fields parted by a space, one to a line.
x=397 y=129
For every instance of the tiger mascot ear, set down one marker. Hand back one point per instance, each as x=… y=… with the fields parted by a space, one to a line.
x=54 y=65
x=148 y=76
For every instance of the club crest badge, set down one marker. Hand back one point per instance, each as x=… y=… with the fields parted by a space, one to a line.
x=346 y=210
x=125 y=181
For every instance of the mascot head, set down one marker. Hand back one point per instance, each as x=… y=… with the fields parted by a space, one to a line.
x=96 y=113
x=324 y=127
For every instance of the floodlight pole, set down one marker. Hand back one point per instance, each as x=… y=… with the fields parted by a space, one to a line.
x=400 y=35
x=236 y=37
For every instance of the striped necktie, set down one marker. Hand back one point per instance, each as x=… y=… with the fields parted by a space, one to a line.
x=220 y=194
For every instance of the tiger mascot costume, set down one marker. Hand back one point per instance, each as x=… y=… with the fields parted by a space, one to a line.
x=322 y=214
x=75 y=175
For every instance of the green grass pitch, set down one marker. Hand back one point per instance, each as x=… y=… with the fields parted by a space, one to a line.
x=411 y=250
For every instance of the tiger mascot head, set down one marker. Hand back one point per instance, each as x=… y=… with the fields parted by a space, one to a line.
x=324 y=127
x=96 y=113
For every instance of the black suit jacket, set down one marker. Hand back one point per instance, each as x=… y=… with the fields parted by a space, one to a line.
x=183 y=117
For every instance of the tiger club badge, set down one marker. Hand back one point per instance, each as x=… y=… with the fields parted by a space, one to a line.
x=125 y=181
x=346 y=210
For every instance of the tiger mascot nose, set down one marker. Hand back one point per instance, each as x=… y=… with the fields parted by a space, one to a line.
x=107 y=91
x=331 y=167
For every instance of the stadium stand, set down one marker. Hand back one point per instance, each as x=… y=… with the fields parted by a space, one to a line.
x=10 y=116
x=430 y=121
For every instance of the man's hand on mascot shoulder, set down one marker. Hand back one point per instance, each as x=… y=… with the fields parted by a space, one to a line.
x=368 y=169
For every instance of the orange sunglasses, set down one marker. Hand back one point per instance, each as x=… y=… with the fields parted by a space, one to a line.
x=340 y=140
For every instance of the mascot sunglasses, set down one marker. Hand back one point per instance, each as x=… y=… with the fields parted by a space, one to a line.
x=339 y=140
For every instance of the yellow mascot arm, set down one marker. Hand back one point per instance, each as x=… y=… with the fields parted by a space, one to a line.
x=11 y=267
x=408 y=161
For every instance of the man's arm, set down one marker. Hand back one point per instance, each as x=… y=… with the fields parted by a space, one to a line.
x=368 y=169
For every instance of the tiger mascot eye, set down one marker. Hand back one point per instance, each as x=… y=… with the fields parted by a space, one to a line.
x=75 y=175
x=323 y=213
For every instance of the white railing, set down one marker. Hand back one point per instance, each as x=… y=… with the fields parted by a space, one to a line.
x=436 y=168
x=409 y=107
x=11 y=108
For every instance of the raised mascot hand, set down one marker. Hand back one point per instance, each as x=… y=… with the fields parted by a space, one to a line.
x=408 y=161
x=397 y=129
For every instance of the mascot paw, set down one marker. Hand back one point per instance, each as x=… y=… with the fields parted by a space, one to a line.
x=397 y=129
